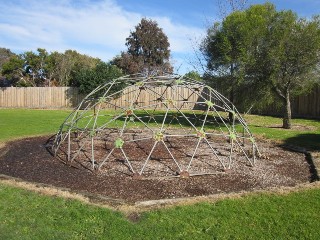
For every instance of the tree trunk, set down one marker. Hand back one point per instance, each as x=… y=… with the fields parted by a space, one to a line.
x=287 y=111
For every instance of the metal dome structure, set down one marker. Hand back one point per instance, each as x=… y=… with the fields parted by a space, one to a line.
x=155 y=126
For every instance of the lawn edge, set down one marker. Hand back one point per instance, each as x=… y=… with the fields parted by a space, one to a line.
x=128 y=208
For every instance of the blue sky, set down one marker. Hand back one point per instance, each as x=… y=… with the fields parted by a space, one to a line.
x=99 y=27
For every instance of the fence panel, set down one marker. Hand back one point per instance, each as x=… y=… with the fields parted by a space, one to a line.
x=307 y=105
x=69 y=97
x=39 y=97
x=303 y=106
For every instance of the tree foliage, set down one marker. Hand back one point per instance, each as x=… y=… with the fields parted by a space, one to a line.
x=12 y=69
x=5 y=55
x=148 y=50
x=90 y=78
x=34 y=68
x=63 y=67
x=126 y=62
x=274 y=55
x=46 y=69
x=194 y=75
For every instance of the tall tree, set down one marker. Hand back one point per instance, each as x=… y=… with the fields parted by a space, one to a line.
x=292 y=54
x=148 y=49
x=269 y=51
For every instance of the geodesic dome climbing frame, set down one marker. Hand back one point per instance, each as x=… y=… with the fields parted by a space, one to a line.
x=155 y=126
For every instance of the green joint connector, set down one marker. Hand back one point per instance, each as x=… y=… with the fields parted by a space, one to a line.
x=139 y=83
x=209 y=103
x=201 y=134
x=92 y=133
x=233 y=136
x=118 y=143
x=102 y=99
x=170 y=101
x=179 y=81
x=252 y=139
x=158 y=136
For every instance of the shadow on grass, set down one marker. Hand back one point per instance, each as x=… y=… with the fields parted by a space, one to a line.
x=185 y=120
x=311 y=142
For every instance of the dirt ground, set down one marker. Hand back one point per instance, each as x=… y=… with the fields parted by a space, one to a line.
x=29 y=160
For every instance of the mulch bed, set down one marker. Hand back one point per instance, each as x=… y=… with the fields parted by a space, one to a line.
x=29 y=160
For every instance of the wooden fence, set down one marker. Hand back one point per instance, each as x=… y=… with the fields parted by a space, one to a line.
x=39 y=97
x=69 y=97
x=303 y=106
x=307 y=105
x=150 y=99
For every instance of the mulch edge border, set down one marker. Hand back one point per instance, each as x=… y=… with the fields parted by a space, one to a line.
x=142 y=206
x=312 y=158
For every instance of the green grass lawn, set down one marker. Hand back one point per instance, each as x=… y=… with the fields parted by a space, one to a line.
x=305 y=132
x=19 y=123
x=28 y=215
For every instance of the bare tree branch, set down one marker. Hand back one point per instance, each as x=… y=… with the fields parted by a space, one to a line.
x=228 y=6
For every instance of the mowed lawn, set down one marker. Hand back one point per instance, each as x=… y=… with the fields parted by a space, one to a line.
x=28 y=215
x=19 y=123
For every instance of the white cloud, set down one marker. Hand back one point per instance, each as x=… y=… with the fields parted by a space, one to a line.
x=179 y=35
x=97 y=28
x=18 y=31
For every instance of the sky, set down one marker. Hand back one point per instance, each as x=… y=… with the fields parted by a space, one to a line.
x=99 y=28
